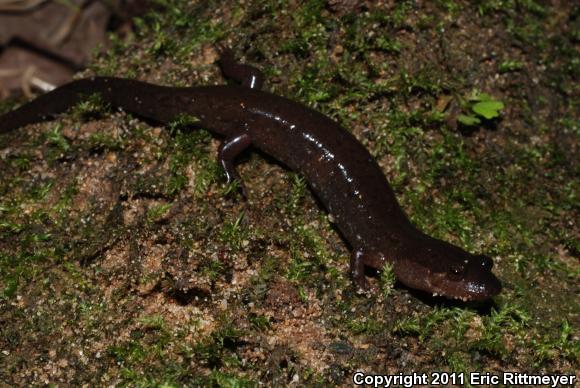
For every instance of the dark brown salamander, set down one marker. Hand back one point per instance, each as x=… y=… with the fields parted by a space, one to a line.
x=339 y=169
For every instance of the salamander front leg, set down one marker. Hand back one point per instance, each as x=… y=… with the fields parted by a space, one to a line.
x=357 y=269
x=247 y=75
x=227 y=154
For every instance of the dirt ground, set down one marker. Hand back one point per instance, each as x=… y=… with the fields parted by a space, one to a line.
x=125 y=258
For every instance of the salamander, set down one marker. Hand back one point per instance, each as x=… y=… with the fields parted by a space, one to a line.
x=338 y=168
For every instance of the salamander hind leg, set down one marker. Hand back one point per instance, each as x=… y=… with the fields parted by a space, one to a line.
x=357 y=270
x=228 y=151
x=358 y=260
x=249 y=76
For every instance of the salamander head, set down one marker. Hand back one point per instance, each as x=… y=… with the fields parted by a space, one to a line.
x=444 y=269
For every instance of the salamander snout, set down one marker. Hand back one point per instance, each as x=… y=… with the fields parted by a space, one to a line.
x=446 y=270
x=457 y=274
x=468 y=279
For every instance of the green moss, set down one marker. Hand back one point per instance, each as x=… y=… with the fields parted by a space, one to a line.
x=233 y=232
x=157 y=212
x=54 y=137
x=508 y=66
x=511 y=321
x=365 y=325
x=215 y=351
x=308 y=253
x=66 y=200
x=152 y=343
x=387 y=280
x=260 y=322
x=91 y=106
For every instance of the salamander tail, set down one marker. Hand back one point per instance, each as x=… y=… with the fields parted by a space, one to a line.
x=118 y=92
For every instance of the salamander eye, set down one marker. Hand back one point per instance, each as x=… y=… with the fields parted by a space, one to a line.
x=456 y=272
